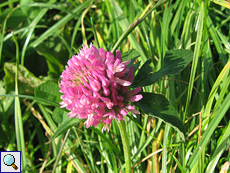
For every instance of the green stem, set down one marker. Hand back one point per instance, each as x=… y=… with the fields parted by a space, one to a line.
x=126 y=146
x=132 y=26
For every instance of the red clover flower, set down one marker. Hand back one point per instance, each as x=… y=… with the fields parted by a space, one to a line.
x=95 y=87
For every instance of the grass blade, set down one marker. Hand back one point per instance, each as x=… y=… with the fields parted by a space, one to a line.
x=216 y=117
x=18 y=118
x=195 y=58
x=62 y=22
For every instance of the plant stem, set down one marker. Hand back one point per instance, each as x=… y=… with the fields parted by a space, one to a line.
x=126 y=146
x=60 y=151
x=133 y=25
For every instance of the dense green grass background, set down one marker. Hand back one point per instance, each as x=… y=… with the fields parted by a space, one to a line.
x=38 y=37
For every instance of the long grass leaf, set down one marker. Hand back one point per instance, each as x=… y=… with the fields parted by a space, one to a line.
x=31 y=31
x=57 y=159
x=3 y=31
x=124 y=24
x=18 y=118
x=216 y=117
x=57 y=25
x=195 y=58
x=164 y=156
x=220 y=148
x=31 y=97
x=216 y=40
x=7 y=3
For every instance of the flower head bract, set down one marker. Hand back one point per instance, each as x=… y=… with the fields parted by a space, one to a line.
x=95 y=87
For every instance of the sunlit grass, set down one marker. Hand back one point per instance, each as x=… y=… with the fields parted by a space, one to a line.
x=37 y=39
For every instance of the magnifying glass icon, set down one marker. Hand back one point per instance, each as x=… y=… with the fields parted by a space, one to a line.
x=9 y=160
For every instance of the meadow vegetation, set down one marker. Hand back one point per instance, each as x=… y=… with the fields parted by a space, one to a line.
x=38 y=37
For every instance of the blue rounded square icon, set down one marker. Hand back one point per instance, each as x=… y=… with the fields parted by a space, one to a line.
x=10 y=161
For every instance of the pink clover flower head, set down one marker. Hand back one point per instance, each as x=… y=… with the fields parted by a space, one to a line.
x=95 y=87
